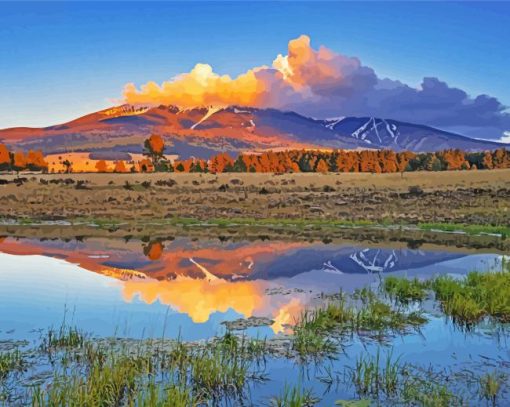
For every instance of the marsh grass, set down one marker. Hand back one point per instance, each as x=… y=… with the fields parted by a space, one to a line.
x=112 y=384
x=503 y=231
x=216 y=373
x=387 y=379
x=294 y=397
x=405 y=291
x=366 y=313
x=421 y=391
x=65 y=337
x=490 y=386
x=10 y=362
x=149 y=375
x=373 y=378
x=474 y=298
x=311 y=343
x=154 y=372
x=318 y=331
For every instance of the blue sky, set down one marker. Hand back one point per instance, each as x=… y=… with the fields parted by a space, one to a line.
x=65 y=59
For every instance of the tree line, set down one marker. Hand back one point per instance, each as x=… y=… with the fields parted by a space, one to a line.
x=321 y=161
x=19 y=161
x=373 y=161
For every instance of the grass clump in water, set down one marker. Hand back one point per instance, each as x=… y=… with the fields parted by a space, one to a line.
x=370 y=313
x=114 y=383
x=398 y=383
x=307 y=341
x=216 y=373
x=10 y=362
x=366 y=314
x=405 y=291
x=371 y=378
x=65 y=337
x=424 y=392
x=175 y=374
x=294 y=397
x=375 y=315
x=490 y=385
x=477 y=296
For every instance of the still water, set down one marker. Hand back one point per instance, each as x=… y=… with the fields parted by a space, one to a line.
x=187 y=288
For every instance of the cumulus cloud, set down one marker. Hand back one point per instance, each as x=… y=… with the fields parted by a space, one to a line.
x=322 y=83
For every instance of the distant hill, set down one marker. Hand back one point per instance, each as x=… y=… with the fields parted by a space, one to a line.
x=204 y=131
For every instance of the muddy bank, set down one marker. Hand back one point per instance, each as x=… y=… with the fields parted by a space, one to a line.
x=374 y=235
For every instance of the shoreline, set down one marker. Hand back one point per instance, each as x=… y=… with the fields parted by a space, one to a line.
x=410 y=236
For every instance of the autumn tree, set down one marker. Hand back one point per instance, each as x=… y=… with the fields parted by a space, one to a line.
x=19 y=161
x=5 y=158
x=487 y=160
x=501 y=158
x=35 y=161
x=68 y=166
x=145 y=165
x=101 y=166
x=120 y=166
x=221 y=163
x=154 y=250
x=154 y=148
x=322 y=166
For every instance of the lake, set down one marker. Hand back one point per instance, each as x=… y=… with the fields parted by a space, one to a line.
x=188 y=288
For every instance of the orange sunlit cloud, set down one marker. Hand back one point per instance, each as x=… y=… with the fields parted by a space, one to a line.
x=287 y=315
x=199 y=298
x=291 y=77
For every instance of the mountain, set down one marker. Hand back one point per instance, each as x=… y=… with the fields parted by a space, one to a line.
x=204 y=131
x=348 y=260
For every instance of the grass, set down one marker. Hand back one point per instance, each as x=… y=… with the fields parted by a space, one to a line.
x=292 y=223
x=10 y=362
x=503 y=231
x=467 y=300
x=421 y=391
x=65 y=337
x=308 y=342
x=490 y=385
x=216 y=373
x=476 y=297
x=113 y=383
x=386 y=378
x=179 y=375
x=365 y=314
x=294 y=397
x=405 y=291
x=371 y=378
x=90 y=373
x=369 y=313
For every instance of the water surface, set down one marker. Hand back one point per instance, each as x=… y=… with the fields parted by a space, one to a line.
x=187 y=288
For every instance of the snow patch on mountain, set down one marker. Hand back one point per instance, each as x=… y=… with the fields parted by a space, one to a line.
x=210 y=111
x=374 y=264
x=332 y=122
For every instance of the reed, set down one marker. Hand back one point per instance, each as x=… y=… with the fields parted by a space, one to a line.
x=476 y=297
x=10 y=362
x=490 y=386
x=374 y=378
x=294 y=397
x=405 y=291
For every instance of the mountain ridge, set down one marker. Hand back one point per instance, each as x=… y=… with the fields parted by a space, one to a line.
x=207 y=130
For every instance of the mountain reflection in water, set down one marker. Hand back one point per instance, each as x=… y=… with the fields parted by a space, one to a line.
x=202 y=278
